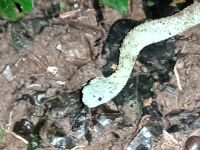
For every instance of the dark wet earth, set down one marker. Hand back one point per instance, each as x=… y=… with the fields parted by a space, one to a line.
x=46 y=60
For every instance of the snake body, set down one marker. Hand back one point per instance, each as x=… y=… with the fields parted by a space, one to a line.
x=101 y=89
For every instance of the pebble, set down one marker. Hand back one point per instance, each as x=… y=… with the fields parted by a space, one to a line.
x=7 y=73
x=59 y=47
x=193 y=143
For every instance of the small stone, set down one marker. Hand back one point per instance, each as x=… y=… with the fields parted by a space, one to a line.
x=170 y=89
x=53 y=70
x=61 y=82
x=147 y=102
x=76 y=6
x=144 y=69
x=59 y=47
x=39 y=97
x=193 y=143
x=7 y=73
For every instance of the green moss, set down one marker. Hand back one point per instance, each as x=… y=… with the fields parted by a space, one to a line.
x=1 y=134
x=11 y=10
x=119 y=5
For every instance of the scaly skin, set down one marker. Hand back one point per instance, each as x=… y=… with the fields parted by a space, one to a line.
x=101 y=90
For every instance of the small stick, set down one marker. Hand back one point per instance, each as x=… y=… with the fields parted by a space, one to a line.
x=178 y=79
x=168 y=136
x=69 y=14
x=15 y=135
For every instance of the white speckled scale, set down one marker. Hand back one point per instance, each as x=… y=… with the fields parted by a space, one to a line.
x=101 y=90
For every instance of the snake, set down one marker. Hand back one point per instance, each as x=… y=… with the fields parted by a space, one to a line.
x=102 y=89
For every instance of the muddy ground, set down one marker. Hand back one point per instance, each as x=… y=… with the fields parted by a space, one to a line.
x=45 y=60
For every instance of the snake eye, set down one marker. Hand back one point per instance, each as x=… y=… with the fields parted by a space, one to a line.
x=99 y=99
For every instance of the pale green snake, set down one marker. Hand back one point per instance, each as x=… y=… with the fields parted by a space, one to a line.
x=101 y=89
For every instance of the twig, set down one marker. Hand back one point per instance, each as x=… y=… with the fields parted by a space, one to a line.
x=10 y=121
x=15 y=135
x=77 y=147
x=69 y=14
x=168 y=136
x=178 y=78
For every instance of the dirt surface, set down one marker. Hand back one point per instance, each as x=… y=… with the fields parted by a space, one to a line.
x=63 y=56
x=187 y=98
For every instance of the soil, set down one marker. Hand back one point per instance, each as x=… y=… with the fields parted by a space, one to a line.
x=50 y=59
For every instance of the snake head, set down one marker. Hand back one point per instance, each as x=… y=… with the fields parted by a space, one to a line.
x=97 y=92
